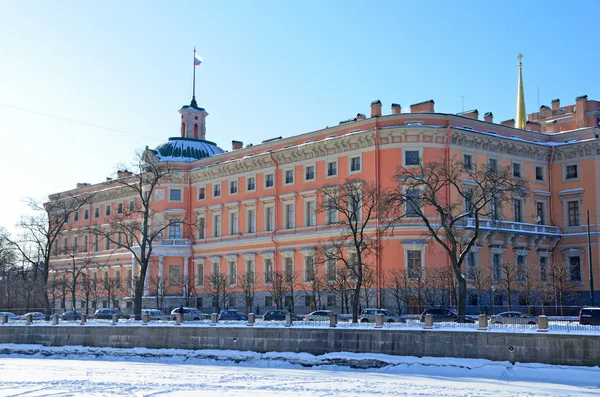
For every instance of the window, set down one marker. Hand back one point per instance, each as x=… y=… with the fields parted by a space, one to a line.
x=217 y=226
x=309 y=301
x=575 y=269
x=84 y=246
x=174 y=275
x=107 y=210
x=521 y=269
x=106 y=244
x=119 y=208
x=175 y=195
x=571 y=171
x=332 y=168
x=86 y=214
x=66 y=218
x=288 y=266
x=544 y=269
x=539 y=173
x=269 y=180
x=289 y=177
x=331 y=300
x=413 y=265
x=250 y=269
x=331 y=213
x=233 y=223
x=201 y=225
x=199 y=274
x=331 y=271
x=232 y=268
x=309 y=173
x=473 y=300
x=540 y=213
x=493 y=165
x=251 y=184
x=96 y=240
x=251 y=221
x=573 y=210
x=97 y=212
x=516 y=170
x=217 y=190
x=311 y=214
x=467 y=161
x=411 y=157
x=496 y=266
x=518 y=210
x=268 y=270
x=233 y=185
x=471 y=267
x=268 y=301
x=355 y=164
x=174 y=230
x=270 y=219
x=75 y=216
x=232 y=301
x=468 y=201
x=309 y=268
x=355 y=206
x=289 y=216
x=65 y=244
x=201 y=193
x=413 y=202
x=132 y=206
x=495 y=209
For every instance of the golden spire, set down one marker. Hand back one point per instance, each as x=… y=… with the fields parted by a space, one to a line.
x=521 y=115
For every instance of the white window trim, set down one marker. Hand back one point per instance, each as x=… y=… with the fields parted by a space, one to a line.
x=411 y=148
x=197 y=263
x=266 y=220
x=198 y=193
x=180 y=194
x=265 y=180
x=350 y=172
x=312 y=199
x=564 y=172
x=314 y=179
x=569 y=253
x=337 y=169
x=500 y=251
x=237 y=190
x=473 y=161
x=214 y=225
x=248 y=177
x=414 y=247
x=475 y=251
x=543 y=167
x=229 y=218
x=285 y=220
x=543 y=254
x=522 y=201
x=285 y=170
x=565 y=199
x=248 y=209
x=520 y=163
x=220 y=189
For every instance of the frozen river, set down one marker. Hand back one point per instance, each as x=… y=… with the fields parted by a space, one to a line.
x=68 y=376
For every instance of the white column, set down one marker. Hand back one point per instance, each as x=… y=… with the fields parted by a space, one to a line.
x=185 y=275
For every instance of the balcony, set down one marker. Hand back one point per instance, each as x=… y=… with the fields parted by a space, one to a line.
x=175 y=241
x=514 y=227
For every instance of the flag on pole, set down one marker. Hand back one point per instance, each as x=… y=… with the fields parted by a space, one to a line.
x=197 y=60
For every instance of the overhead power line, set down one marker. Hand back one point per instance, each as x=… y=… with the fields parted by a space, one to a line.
x=78 y=122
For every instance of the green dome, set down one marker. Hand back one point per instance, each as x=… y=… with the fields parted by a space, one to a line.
x=186 y=149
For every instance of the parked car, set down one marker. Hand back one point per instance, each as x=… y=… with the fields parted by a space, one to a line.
x=11 y=316
x=155 y=314
x=589 y=316
x=71 y=316
x=107 y=314
x=319 y=315
x=513 y=318
x=35 y=316
x=189 y=314
x=368 y=316
x=232 y=314
x=279 y=315
x=444 y=315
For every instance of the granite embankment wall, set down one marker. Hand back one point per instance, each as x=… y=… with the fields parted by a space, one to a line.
x=548 y=348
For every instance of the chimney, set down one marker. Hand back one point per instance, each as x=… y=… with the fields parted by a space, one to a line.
x=123 y=173
x=509 y=123
x=396 y=108
x=84 y=184
x=423 y=107
x=533 y=126
x=235 y=145
x=472 y=114
x=555 y=103
x=376 y=108
x=488 y=117
x=360 y=116
x=580 y=105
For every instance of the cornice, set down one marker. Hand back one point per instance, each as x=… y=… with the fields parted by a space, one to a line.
x=500 y=145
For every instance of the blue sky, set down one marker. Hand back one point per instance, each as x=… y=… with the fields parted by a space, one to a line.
x=271 y=68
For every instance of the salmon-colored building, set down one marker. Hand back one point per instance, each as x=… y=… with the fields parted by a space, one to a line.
x=257 y=204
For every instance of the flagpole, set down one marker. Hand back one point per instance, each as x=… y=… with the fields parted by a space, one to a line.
x=194 y=83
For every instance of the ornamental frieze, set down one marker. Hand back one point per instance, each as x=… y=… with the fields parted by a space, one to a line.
x=500 y=145
x=576 y=150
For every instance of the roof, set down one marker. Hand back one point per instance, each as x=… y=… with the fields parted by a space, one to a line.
x=186 y=149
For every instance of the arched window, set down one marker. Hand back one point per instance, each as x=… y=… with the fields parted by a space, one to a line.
x=182 y=129
x=196 y=130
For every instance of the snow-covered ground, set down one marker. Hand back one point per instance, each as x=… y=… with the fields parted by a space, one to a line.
x=33 y=370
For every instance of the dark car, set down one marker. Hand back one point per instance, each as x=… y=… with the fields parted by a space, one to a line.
x=71 y=316
x=107 y=314
x=231 y=315
x=589 y=316
x=279 y=315
x=444 y=315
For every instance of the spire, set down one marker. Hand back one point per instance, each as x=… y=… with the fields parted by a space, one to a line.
x=521 y=119
x=193 y=102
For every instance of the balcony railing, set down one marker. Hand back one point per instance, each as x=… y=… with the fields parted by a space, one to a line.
x=175 y=241
x=513 y=227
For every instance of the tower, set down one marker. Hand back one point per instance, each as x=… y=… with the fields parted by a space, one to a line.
x=193 y=121
x=521 y=119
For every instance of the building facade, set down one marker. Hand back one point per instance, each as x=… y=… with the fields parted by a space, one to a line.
x=254 y=208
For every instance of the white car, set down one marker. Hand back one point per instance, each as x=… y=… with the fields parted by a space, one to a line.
x=35 y=316
x=368 y=316
x=155 y=314
x=11 y=316
x=513 y=318
x=319 y=315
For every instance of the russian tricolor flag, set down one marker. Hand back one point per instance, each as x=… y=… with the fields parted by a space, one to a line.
x=197 y=60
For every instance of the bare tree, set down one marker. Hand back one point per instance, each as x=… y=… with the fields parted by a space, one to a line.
x=481 y=280
x=507 y=279
x=132 y=228
x=158 y=289
x=39 y=233
x=290 y=282
x=368 y=291
x=277 y=288
x=530 y=286
x=340 y=284
x=314 y=284
x=351 y=210
x=217 y=287
x=91 y=288
x=451 y=199
x=559 y=279
x=77 y=266
x=112 y=286
x=247 y=283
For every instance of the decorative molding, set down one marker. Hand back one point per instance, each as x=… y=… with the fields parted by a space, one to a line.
x=500 y=145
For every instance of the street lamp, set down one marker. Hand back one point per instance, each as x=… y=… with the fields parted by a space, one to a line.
x=493 y=300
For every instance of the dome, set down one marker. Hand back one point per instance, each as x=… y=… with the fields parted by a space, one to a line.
x=186 y=149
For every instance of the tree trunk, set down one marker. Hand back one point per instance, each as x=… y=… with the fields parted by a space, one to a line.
x=462 y=299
